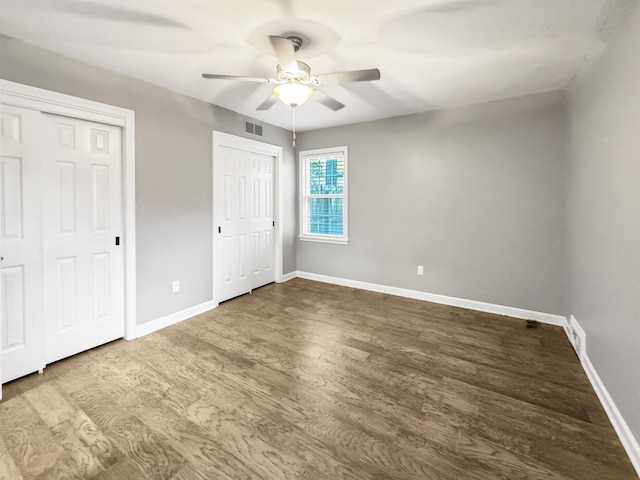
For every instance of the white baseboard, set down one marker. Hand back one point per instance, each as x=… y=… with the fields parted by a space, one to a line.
x=628 y=440
x=287 y=276
x=163 y=322
x=442 y=299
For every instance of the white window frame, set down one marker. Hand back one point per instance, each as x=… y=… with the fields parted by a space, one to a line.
x=341 y=152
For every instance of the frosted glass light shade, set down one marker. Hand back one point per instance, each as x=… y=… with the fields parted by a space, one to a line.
x=293 y=94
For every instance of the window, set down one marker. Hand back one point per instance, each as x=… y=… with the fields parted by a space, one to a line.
x=323 y=195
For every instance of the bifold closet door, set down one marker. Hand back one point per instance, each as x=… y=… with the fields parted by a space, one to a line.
x=22 y=336
x=82 y=230
x=244 y=209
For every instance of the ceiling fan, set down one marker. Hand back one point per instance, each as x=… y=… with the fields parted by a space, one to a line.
x=294 y=82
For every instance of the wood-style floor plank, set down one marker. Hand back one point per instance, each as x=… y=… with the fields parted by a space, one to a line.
x=311 y=381
x=28 y=439
x=8 y=467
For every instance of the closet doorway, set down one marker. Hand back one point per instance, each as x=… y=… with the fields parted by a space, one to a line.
x=247 y=241
x=67 y=227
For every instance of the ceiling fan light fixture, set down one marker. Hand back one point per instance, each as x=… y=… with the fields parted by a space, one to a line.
x=293 y=94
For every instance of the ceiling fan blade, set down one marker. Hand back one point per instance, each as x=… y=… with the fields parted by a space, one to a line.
x=349 y=77
x=285 y=53
x=329 y=102
x=235 y=77
x=268 y=103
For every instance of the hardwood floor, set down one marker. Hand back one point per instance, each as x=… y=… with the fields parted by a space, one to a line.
x=311 y=381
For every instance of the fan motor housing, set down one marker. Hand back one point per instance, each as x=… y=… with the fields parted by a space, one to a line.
x=296 y=41
x=303 y=75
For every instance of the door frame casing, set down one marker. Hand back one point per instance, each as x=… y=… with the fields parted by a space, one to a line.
x=221 y=139
x=47 y=101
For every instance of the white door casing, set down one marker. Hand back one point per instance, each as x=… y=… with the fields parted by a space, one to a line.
x=22 y=341
x=83 y=266
x=266 y=160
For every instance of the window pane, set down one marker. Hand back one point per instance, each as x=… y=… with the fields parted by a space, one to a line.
x=325 y=216
x=326 y=177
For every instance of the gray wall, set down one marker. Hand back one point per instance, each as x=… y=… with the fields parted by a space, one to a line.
x=173 y=172
x=476 y=195
x=604 y=216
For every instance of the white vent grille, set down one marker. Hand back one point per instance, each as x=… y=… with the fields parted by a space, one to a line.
x=253 y=128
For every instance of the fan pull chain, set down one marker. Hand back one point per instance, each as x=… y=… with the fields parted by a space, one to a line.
x=293 y=143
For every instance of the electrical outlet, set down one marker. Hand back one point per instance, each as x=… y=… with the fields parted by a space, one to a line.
x=420 y=270
x=176 y=286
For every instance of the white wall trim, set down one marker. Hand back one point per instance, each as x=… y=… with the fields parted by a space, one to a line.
x=287 y=276
x=628 y=440
x=442 y=299
x=221 y=139
x=61 y=104
x=172 y=319
x=42 y=100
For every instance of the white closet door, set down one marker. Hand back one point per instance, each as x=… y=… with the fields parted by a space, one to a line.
x=262 y=247
x=22 y=338
x=245 y=253
x=83 y=265
x=232 y=195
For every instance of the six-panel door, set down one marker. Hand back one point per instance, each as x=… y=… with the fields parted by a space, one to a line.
x=244 y=209
x=262 y=254
x=22 y=335
x=61 y=211
x=83 y=266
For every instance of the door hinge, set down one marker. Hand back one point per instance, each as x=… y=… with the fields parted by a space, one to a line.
x=274 y=223
x=219 y=229
x=117 y=241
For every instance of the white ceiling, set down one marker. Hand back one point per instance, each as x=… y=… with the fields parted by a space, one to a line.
x=431 y=53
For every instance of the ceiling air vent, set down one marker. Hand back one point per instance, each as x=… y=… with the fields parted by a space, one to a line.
x=253 y=129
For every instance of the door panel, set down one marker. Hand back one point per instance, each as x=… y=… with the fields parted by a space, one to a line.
x=101 y=198
x=66 y=286
x=66 y=189
x=101 y=286
x=14 y=333
x=21 y=300
x=262 y=224
x=232 y=263
x=83 y=267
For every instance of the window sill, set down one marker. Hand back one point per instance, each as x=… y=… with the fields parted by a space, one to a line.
x=335 y=241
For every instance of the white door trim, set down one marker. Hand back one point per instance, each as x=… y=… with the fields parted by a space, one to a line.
x=221 y=139
x=60 y=104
